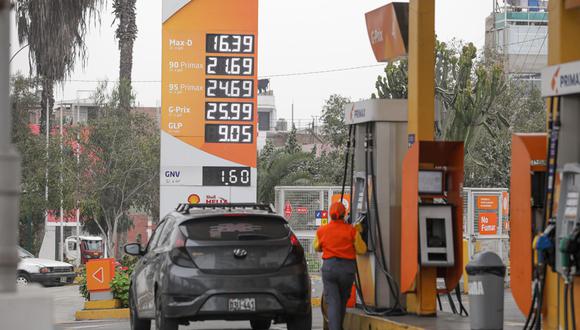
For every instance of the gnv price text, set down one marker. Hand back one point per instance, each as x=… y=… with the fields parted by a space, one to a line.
x=229 y=111
x=226 y=176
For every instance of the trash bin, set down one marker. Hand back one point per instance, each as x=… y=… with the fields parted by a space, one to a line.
x=486 y=291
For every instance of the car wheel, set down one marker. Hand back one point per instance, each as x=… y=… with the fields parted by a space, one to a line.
x=161 y=321
x=300 y=322
x=22 y=280
x=136 y=322
x=260 y=324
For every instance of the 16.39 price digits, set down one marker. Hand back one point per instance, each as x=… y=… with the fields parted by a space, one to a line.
x=229 y=43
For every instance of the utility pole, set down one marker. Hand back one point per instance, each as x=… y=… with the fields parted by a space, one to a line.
x=15 y=308
x=9 y=165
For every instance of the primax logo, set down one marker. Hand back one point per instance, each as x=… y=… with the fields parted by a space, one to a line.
x=570 y=79
x=376 y=36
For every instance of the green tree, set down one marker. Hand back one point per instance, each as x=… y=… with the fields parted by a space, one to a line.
x=55 y=33
x=334 y=129
x=35 y=165
x=126 y=34
x=121 y=162
x=292 y=146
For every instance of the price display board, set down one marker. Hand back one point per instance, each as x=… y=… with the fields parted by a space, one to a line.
x=209 y=108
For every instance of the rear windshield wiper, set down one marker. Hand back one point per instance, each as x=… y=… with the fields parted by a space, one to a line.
x=249 y=237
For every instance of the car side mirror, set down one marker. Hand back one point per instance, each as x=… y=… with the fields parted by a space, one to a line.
x=134 y=249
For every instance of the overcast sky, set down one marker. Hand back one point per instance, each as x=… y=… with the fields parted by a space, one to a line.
x=295 y=36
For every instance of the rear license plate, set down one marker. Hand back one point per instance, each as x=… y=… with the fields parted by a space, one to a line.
x=242 y=305
x=63 y=280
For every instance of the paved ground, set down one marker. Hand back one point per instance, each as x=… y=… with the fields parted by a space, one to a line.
x=67 y=301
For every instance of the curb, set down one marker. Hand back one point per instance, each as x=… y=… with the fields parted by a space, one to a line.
x=356 y=319
x=102 y=314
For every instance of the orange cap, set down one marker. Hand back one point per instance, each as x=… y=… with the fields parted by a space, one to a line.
x=337 y=211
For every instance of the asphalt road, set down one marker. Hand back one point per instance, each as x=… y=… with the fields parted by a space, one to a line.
x=67 y=301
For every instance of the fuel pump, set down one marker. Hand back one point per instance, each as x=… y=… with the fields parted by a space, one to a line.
x=379 y=140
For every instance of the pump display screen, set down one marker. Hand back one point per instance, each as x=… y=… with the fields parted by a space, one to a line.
x=431 y=182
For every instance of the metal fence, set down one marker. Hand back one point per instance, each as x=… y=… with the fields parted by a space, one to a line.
x=299 y=206
x=486 y=222
x=486 y=218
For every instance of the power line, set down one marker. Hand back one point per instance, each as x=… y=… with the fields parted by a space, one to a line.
x=261 y=77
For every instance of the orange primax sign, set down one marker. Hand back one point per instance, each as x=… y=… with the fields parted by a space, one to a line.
x=387 y=27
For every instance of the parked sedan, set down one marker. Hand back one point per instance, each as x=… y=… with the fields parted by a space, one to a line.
x=44 y=271
x=228 y=262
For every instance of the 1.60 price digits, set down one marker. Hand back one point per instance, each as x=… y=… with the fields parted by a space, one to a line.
x=229 y=111
x=222 y=65
x=229 y=88
x=217 y=133
x=226 y=176
x=229 y=43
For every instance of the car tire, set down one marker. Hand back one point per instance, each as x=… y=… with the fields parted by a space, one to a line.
x=260 y=324
x=300 y=322
x=22 y=279
x=136 y=322
x=161 y=321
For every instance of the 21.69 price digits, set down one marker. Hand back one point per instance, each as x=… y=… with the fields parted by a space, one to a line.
x=229 y=111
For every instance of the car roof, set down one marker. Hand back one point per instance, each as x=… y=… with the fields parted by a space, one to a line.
x=204 y=211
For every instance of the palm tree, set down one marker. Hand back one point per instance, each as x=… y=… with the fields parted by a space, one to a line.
x=55 y=32
x=126 y=34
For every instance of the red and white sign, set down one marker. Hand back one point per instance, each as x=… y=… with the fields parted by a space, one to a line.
x=505 y=204
x=488 y=224
x=69 y=218
x=288 y=210
x=302 y=210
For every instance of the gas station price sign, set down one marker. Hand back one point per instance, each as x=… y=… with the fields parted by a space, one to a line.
x=209 y=89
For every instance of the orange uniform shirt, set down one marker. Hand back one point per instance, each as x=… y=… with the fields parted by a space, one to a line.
x=337 y=240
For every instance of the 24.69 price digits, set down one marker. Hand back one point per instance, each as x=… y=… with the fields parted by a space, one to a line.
x=229 y=43
x=229 y=111
x=229 y=88
x=226 y=133
x=236 y=66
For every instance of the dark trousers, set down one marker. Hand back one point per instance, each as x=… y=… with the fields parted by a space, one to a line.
x=337 y=277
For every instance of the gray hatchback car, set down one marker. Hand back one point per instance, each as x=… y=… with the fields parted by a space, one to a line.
x=220 y=262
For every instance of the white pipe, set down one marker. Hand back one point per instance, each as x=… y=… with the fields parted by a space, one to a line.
x=9 y=165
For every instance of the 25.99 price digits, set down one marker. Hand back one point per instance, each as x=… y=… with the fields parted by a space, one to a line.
x=229 y=111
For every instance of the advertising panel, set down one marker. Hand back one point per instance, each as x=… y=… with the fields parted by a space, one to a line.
x=209 y=108
x=487 y=202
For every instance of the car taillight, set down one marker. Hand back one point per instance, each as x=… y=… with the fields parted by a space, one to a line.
x=179 y=254
x=296 y=254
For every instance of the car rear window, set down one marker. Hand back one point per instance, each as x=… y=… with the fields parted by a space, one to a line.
x=238 y=228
